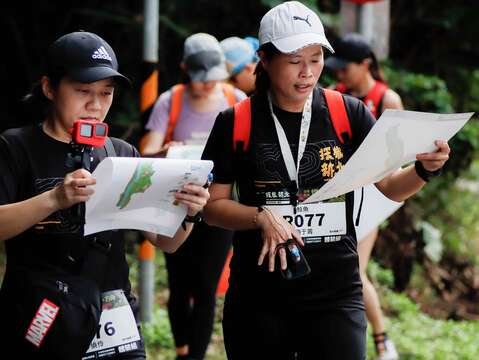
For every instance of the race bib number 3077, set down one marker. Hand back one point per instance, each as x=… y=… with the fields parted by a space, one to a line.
x=320 y=222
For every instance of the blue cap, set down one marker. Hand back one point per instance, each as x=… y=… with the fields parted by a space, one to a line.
x=239 y=52
x=254 y=42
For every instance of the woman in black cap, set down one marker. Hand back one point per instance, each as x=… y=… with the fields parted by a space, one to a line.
x=290 y=150
x=360 y=75
x=48 y=258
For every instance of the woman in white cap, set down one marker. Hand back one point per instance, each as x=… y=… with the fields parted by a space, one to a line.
x=274 y=309
x=185 y=115
x=55 y=276
x=359 y=74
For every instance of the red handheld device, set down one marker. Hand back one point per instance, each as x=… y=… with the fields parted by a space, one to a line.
x=87 y=132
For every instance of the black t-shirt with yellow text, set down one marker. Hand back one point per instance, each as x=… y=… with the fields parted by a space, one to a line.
x=261 y=178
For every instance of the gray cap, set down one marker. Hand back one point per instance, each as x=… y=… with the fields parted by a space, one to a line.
x=204 y=58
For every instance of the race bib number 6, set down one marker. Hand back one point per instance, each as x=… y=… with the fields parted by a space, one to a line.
x=117 y=331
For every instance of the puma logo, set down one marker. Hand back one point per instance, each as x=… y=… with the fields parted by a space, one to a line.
x=303 y=19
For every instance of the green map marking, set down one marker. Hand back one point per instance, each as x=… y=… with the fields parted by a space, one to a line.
x=139 y=182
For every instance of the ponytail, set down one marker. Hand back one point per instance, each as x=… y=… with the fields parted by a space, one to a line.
x=36 y=105
x=375 y=69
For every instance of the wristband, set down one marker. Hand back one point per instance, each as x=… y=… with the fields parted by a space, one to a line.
x=196 y=219
x=424 y=174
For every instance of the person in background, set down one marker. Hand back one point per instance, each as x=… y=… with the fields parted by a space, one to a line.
x=182 y=115
x=38 y=191
x=274 y=309
x=241 y=60
x=359 y=74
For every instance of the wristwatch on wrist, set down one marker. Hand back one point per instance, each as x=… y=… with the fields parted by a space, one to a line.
x=424 y=174
x=195 y=219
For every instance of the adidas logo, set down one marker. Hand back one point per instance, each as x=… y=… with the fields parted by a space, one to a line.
x=101 y=53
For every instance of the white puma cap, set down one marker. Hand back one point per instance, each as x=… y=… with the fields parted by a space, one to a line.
x=292 y=26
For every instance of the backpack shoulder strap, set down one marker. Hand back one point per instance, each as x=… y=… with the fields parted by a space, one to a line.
x=338 y=114
x=109 y=148
x=229 y=93
x=374 y=97
x=175 y=110
x=242 y=124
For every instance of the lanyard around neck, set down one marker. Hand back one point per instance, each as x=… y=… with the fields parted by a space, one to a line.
x=293 y=170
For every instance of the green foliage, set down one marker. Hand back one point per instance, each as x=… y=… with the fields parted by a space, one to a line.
x=380 y=275
x=419 y=92
x=445 y=203
x=428 y=36
x=465 y=84
x=327 y=79
x=451 y=206
x=432 y=238
x=417 y=335
x=157 y=333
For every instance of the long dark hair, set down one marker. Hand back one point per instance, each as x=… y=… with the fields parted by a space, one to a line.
x=375 y=69
x=263 y=81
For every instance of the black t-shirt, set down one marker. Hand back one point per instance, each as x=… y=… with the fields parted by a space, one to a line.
x=262 y=178
x=31 y=163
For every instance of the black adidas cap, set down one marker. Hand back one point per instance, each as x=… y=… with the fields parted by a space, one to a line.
x=83 y=56
x=353 y=47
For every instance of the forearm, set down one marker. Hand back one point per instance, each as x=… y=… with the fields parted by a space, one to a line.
x=402 y=184
x=229 y=214
x=17 y=217
x=151 y=143
x=170 y=244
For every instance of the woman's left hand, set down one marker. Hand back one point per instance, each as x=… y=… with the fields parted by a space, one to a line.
x=194 y=197
x=435 y=160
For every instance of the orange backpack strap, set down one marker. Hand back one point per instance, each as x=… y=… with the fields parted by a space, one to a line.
x=374 y=97
x=175 y=110
x=229 y=93
x=338 y=114
x=242 y=123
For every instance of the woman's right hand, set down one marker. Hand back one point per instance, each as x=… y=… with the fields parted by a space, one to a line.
x=275 y=230
x=74 y=189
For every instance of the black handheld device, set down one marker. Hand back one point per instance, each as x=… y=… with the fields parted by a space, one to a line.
x=297 y=265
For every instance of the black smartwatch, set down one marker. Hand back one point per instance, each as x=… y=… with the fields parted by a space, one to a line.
x=424 y=174
x=196 y=219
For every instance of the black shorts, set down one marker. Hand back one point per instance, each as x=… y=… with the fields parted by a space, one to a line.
x=293 y=334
